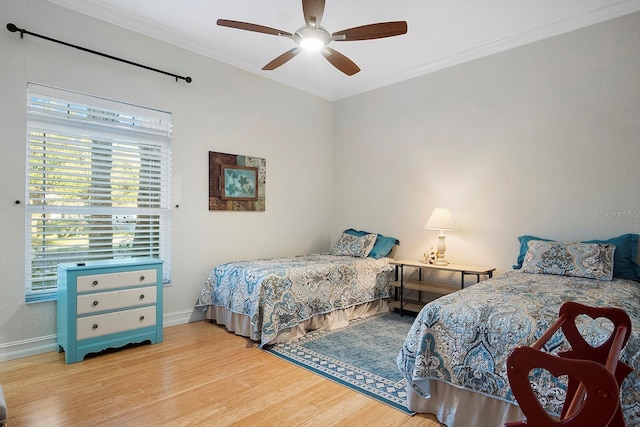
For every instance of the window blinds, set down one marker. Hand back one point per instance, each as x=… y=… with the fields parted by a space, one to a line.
x=98 y=184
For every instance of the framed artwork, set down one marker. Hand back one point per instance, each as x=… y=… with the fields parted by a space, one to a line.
x=236 y=182
x=239 y=182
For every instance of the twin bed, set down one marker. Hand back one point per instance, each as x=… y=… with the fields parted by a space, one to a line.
x=279 y=299
x=454 y=357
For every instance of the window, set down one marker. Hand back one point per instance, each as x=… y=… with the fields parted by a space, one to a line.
x=98 y=184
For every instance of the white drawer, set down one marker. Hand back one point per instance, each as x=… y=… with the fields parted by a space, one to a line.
x=103 y=301
x=110 y=323
x=122 y=279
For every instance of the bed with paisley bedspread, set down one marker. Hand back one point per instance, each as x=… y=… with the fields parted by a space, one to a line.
x=279 y=299
x=272 y=296
x=454 y=357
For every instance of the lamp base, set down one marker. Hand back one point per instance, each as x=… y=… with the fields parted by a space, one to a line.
x=442 y=247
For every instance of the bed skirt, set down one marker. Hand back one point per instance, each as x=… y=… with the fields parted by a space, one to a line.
x=241 y=325
x=456 y=407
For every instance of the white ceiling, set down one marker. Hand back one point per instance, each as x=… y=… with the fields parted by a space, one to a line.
x=441 y=33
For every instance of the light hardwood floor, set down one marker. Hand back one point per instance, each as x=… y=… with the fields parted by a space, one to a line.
x=200 y=375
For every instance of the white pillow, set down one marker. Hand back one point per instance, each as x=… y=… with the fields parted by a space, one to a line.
x=356 y=246
x=589 y=260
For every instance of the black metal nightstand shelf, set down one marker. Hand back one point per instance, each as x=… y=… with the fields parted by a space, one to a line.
x=437 y=288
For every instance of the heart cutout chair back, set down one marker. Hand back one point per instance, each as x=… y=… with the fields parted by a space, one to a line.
x=594 y=373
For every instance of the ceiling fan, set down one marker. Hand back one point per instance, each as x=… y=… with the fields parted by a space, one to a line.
x=313 y=36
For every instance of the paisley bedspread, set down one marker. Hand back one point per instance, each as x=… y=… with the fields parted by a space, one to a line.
x=465 y=338
x=279 y=293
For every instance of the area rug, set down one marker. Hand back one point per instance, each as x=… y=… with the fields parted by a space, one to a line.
x=361 y=356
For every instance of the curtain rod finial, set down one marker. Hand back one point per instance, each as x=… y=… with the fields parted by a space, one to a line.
x=13 y=28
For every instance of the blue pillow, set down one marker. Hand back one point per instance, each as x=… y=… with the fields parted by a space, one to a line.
x=383 y=245
x=624 y=258
x=624 y=265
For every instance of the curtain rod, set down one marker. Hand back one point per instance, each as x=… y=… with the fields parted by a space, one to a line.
x=13 y=28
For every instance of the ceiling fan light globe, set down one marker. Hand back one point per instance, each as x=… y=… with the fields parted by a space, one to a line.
x=312 y=44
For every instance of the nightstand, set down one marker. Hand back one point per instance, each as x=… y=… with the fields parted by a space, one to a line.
x=421 y=285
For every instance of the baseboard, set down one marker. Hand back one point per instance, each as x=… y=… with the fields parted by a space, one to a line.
x=30 y=347
x=182 y=317
x=33 y=346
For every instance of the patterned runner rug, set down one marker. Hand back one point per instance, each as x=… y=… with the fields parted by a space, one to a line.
x=361 y=356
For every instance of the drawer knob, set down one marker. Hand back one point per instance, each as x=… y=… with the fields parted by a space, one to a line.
x=95 y=303
x=141 y=297
x=141 y=318
x=95 y=326
x=94 y=283
x=141 y=278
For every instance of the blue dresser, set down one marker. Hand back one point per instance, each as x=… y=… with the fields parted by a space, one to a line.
x=108 y=304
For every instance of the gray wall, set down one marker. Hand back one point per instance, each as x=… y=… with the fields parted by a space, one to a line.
x=225 y=109
x=543 y=139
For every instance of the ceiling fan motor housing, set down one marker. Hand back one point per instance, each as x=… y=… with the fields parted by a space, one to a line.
x=312 y=38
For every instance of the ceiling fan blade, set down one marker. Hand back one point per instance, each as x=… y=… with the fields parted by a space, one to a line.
x=280 y=60
x=340 y=61
x=372 y=31
x=313 y=11
x=252 y=27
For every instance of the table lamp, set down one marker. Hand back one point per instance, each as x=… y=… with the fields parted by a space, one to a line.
x=441 y=219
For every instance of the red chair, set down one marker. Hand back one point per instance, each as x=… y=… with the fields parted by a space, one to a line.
x=595 y=373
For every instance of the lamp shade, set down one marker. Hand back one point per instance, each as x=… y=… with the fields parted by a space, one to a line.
x=441 y=219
